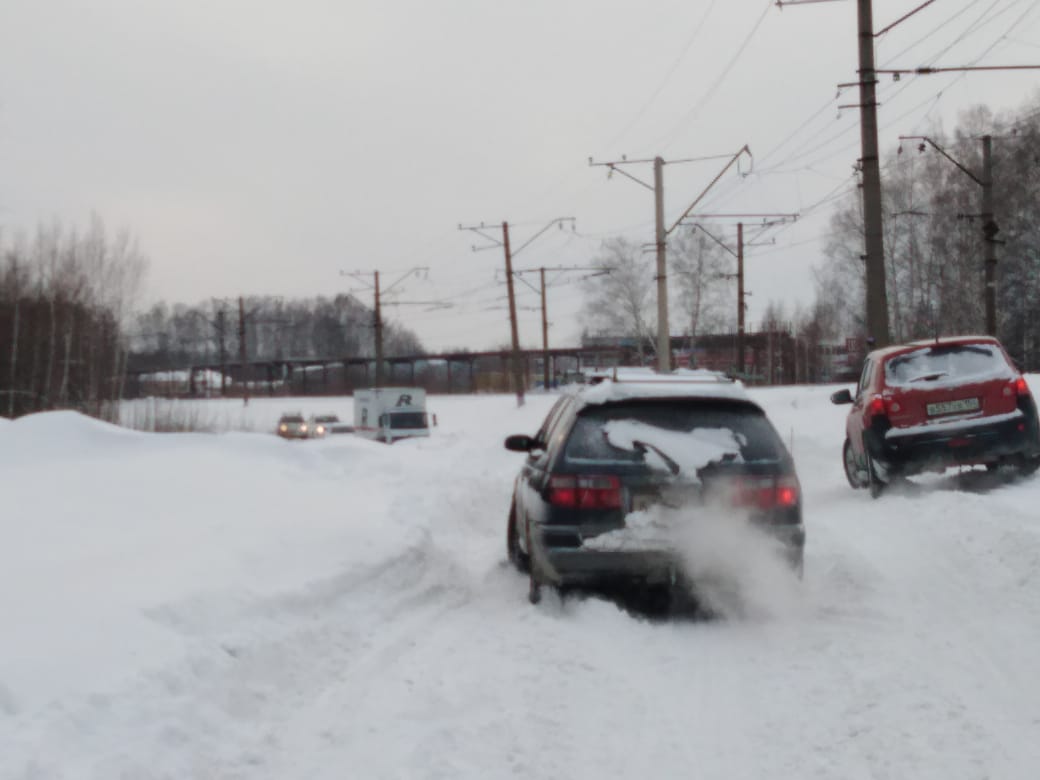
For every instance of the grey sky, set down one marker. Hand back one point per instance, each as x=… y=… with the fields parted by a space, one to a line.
x=260 y=147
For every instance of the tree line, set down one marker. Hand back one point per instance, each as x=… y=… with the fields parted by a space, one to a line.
x=274 y=328
x=65 y=299
x=934 y=239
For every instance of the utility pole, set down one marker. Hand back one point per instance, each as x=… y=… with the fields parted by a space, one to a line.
x=223 y=351
x=377 y=330
x=877 y=296
x=597 y=271
x=664 y=339
x=545 y=334
x=518 y=372
x=377 y=310
x=242 y=349
x=741 y=306
x=989 y=224
x=768 y=221
x=664 y=336
x=518 y=376
x=989 y=232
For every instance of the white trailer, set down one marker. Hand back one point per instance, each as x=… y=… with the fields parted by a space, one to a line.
x=391 y=413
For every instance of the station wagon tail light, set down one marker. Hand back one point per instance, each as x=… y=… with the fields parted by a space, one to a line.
x=766 y=492
x=585 y=491
x=877 y=405
x=1021 y=386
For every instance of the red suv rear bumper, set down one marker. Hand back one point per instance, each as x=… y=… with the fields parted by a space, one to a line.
x=928 y=447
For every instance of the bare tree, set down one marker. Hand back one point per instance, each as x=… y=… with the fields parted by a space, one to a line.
x=621 y=301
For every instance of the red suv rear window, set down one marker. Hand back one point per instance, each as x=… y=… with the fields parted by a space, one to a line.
x=943 y=363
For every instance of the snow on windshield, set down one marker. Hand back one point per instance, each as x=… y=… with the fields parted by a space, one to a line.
x=680 y=452
x=952 y=364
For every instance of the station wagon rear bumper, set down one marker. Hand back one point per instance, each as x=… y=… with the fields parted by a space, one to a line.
x=585 y=566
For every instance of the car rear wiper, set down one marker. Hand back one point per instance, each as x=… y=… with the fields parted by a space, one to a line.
x=643 y=446
x=929 y=377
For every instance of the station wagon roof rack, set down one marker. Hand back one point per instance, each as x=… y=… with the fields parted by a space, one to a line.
x=640 y=375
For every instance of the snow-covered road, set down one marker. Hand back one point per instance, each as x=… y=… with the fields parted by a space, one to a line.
x=237 y=606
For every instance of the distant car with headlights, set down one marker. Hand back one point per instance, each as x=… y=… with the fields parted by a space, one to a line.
x=292 y=426
x=930 y=405
x=612 y=456
x=321 y=425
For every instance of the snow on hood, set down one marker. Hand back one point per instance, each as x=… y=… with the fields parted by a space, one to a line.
x=689 y=451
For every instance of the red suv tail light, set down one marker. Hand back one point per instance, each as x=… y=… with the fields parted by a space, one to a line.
x=877 y=405
x=1021 y=386
x=585 y=491
x=766 y=492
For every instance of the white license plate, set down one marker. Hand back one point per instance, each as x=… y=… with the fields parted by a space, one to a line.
x=952 y=407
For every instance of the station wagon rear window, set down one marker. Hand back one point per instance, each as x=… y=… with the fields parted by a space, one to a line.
x=945 y=363
x=734 y=431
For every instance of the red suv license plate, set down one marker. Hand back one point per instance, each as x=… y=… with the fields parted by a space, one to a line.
x=953 y=407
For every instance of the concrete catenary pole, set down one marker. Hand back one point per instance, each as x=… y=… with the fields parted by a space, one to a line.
x=877 y=297
x=518 y=374
x=664 y=347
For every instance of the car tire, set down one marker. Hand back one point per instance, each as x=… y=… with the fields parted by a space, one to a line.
x=1027 y=466
x=848 y=458
x=520 y=560
x=875 y=483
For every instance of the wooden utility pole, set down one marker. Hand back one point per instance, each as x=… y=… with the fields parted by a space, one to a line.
x=517 y=369
x=242 y=349
x=377 y=330
x=768 y=221
x=518 y=376
x=741 y=306
x=223 y=351
x=877 y=297
x=989 y=232
x=545 y=334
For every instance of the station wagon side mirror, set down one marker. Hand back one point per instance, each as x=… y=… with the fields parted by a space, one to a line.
x=841 y=397
x=520 y=443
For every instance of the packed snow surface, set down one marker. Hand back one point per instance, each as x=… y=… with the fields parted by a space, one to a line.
x=233 y=605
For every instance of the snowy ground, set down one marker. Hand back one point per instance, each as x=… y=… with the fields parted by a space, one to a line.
x=238 y=606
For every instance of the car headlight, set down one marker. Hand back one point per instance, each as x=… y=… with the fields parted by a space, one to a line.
x=304 y=427
x=321 y=429
x=283 y=428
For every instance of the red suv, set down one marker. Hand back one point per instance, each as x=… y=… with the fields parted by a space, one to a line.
x=929 y=405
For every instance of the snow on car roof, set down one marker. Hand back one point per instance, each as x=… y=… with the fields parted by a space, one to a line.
x=626 y=383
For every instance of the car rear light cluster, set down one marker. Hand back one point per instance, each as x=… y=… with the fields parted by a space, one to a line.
x=766 y=492
x=1020 y=386
x=881 y=405
x=585 y=492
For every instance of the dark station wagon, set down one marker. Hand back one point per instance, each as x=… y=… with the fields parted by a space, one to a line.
x=633 y=442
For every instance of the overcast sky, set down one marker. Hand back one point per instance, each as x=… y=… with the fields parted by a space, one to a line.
x=262 y=147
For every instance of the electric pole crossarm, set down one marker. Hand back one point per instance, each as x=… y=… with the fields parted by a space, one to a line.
x=943 y=152
x=903 y=18
x=714 y=238
x=744 y=150
x=927 y=71
x=558 y=221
